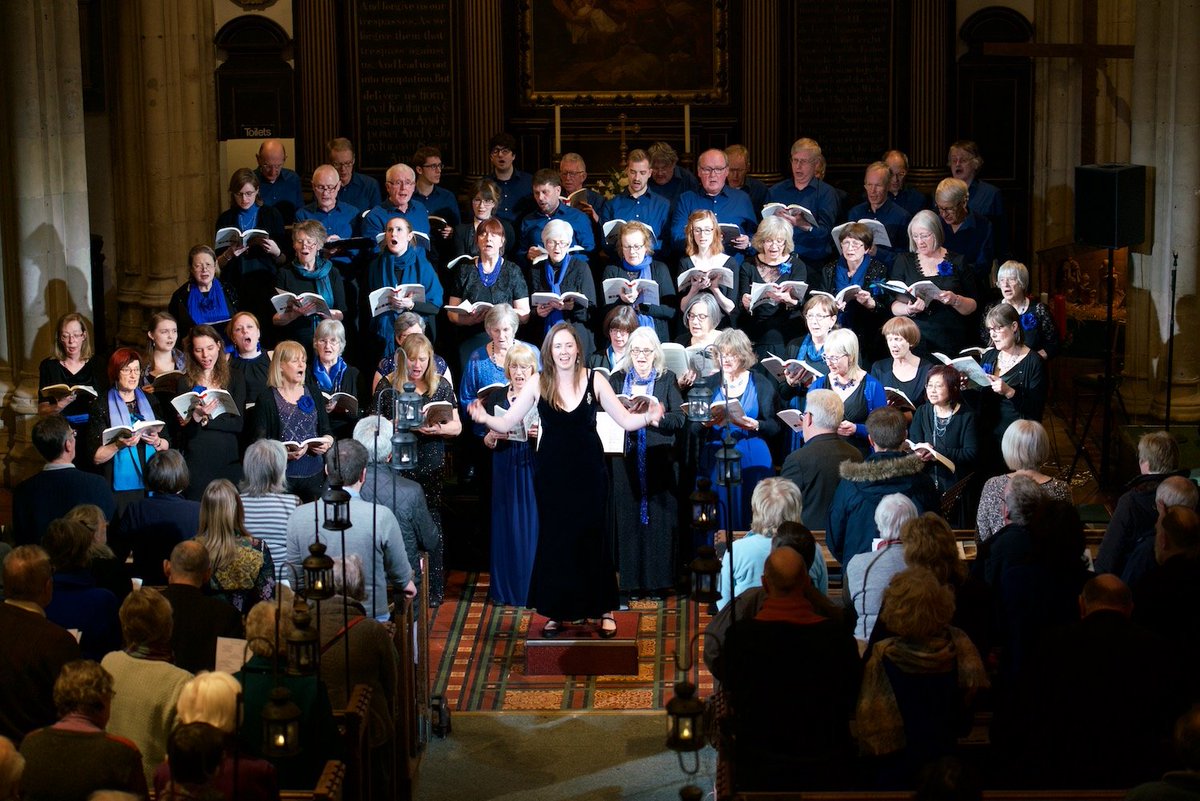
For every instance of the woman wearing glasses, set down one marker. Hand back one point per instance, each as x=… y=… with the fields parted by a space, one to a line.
x=775 y=318
x=700 y=320
x=820 y=315
x=74 y=363
x=865 y=310
x=860 y=392
x=250 y=268
x=561 y=272
x=942 y=317
x=635 y=243
x=485 y=196
x=704 y=252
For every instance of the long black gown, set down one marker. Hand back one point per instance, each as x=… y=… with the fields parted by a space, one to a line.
x=573 y=572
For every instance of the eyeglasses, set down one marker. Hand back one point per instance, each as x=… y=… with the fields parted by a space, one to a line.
x=945 y=209
x=437 y=165
x=66 y=337
x=641 y=351
x=816 y=317
x=342 y=165
x=702 y=230
x=499 y=151
x=696 y=317
x=804 y=161
x=402 y=182
x=326 y=187
x=633 y=247
x=246 y=194
x=573 y=173
x=712 y=170
x=483 y=201
x=834 y=359
x=921 y=236
x=130 y=369
x=557 y=243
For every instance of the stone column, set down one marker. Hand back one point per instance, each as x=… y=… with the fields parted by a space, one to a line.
x=1166 y=138
x=1055 y=131
x=761 y=101
x=167 y=193
x=485 y=82
x=317 y=68
x=45 y=251
x=930 y=50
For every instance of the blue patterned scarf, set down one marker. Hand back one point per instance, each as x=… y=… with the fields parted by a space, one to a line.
x=320 y=275
x=127 y=463
x=207 y=307
x=329 y=380
x=632 y=379
x=637 y=272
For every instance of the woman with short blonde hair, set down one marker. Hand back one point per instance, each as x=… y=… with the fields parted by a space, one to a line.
x=287 y=410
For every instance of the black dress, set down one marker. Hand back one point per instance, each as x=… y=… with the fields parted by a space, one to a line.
x=92 y=374
x=914 y=388
x=771 y=324
x=212 y=451
x=956 y=441
x=943 y=329
x=573 y=572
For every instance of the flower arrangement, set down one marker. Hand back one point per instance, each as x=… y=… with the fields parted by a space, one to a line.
x=305 y=404
x=612 y=184
x=1028 y=321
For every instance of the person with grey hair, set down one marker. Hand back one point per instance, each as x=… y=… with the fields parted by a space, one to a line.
x=406 y=324
x=1013 y=544
x=964 y=231
x=867 y=574
x=558 y=273
x=774 y=502
x=1172 y=491
x=1037 y=326
x=333 y=376
x=804 y=187
x=395 y=491
x=374 y=533
x=700 y=318
x=1025 y=447
x=814 y=466
x=1136 y=510
x=773 y=318
x=486 y=363
x=266 y=503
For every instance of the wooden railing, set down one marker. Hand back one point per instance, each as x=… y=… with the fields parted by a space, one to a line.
x=353 y=722
x=329 y=785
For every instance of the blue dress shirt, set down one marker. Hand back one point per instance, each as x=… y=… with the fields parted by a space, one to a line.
x=814 y=246
x=730 y=205
x=285 y=194
x=515 y=196
x=362 y=192
x=441 y=202
x=894 y=220
x=535 y=221
x=651 y=209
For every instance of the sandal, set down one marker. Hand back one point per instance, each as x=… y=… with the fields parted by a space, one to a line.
x=551 y=630
x=606 y=632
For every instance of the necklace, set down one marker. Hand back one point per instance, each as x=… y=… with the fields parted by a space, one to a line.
x=940 y=424
x=849 y=382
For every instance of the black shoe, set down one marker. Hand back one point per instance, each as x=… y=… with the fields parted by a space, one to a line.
x=551 y=630
x=606 y=632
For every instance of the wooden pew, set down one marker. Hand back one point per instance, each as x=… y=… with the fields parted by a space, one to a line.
x=988 y=795
x=411 y=638
x=353 y=722
x=329 y=785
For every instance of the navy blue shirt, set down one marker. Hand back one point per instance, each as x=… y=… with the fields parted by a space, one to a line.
x=284 y=195
x=814 y=246
x=651 y=209
x=376 y=219
x=910 y=200
x=515 y=196
x=730 y=205
x=535 y=221
x=974 y=241
x=670 y=191
x=894 y=220
x=442 y=203
x=341 y=220
x=362 y=192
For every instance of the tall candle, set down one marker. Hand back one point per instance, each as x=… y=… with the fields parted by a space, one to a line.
x=687 y=128
x=557 y=129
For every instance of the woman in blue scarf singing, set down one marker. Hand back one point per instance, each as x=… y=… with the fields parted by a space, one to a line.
x=558 y=272
x=399 y=264
x=335 y=379
x=308 y=273
x=635 y=245
x=123 y=454
x=645 y=478
x=203 y=299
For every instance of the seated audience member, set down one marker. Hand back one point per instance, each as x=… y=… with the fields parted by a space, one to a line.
x=815 y=467
x=12 y=765
x=203 y=749
x=266 y=503
x=1025 y=447
x=1166 y=598
x=78 y=604
x=402 y=495
x=887 y=470
x=774 y=501
x=1172 y=491
x=1013 y=544
x=375 y=535
x=796 y=740
x=373 y=659
x=318 y=732
x=59 y=486
x=919 y=685
x=75 y=757
x=198 y=619
x=242 y=570
x=151 y=527
x=107 y=569
x=867 y=575
x=1096 y=699
x=146 y=685
x=1133 y=518
x=28 y=673
x=1180 y=784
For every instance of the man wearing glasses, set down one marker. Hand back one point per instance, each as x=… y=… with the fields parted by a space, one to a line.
x=357 y=190
x=400 y=182
x=516 y=187
x=427 y=162
x=277 y=185
x=812 y=242
x=728 y=204
x=341 y=221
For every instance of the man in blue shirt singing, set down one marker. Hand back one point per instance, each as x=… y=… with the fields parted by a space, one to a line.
x=637 y=202
x=728 y=204
x=812 y=242
x=277 y=185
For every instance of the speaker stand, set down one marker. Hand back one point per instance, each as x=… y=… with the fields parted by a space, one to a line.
x=1105 y=395
x=1171 y=340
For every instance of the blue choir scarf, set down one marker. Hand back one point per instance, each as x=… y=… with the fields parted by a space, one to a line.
x=637 y=272
x=556 y=316
x=329 y=380
x=632 y=379
x=127 y=463
x=207 y=307
x=320 y=275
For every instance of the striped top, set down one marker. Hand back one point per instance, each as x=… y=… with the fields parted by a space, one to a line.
x=267 y=518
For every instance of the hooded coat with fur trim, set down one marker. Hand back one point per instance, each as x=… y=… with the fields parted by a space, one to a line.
x=864 y=484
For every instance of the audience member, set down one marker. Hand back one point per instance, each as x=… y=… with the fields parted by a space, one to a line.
x=815 y=467
x=151 y=527
x=59 y=486
x=1172 y=491
x=197 y=619
x=774 y=501
x=266 y=503
x=106 y=567
x=78 y=604
x=1025 y=447
x=1013 y=543
x=1177 y=785
x=867 y=575
x=1166 y=598
x=12 y=765
x=1133 y=518
x=36 y=649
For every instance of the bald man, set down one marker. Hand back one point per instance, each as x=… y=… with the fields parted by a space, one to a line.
x=339 y=218
x=714 y=194
x=278 y=187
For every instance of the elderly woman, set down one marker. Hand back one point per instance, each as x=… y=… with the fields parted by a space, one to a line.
x=399 y=263
x=867 y=574
x=862 y=311
x=486 y=365
x=1025 y=447
x=645 y=478
x=485 y=196
x=146 y=685
x=700 y=317
x=123 y=455
x=903 y=369
x=514 y=505
x=637 y=262
x=242 y=569
x=83 y=697
x=212 y=699
x=288 y=411
x=918 y=686
x=1017 y=373
x=208 y=437
x=489 y=278
x=332 y=375
x=162 y=356
x=860 y=392
x=266 y=503
x=773 y=502
x=152 y=526
x=773 y=322
x=108 y=571
x=75 y=363
x=267 y=638
x=562 y=272
x=965 y=231
x=405 y=325
x=247 y=357
x=619 y=323
x=78 y=603
x=942 y=316
x=947 y=424
x=251 y=268
x=751 y=425
x=308 y=273
x=820 y=314
x=1037 y=326
x=706 y=251
x=203 y=299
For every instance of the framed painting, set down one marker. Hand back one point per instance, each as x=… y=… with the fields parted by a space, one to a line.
x=641 y=52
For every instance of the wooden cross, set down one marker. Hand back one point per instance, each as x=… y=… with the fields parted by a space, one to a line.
x=635 y=128
x=1089 y=54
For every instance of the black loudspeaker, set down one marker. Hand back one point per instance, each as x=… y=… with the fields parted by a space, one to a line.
x=1110 y=205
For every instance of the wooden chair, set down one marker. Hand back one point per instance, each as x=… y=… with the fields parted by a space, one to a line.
x=329 y=785
x=353 y=724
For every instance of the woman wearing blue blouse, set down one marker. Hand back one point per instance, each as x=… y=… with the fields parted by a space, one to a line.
x=860 y=392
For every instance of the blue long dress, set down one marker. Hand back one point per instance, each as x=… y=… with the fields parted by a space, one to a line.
x=756 y=461
x=514 y=514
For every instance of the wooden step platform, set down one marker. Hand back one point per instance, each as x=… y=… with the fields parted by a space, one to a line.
x=579 y=650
